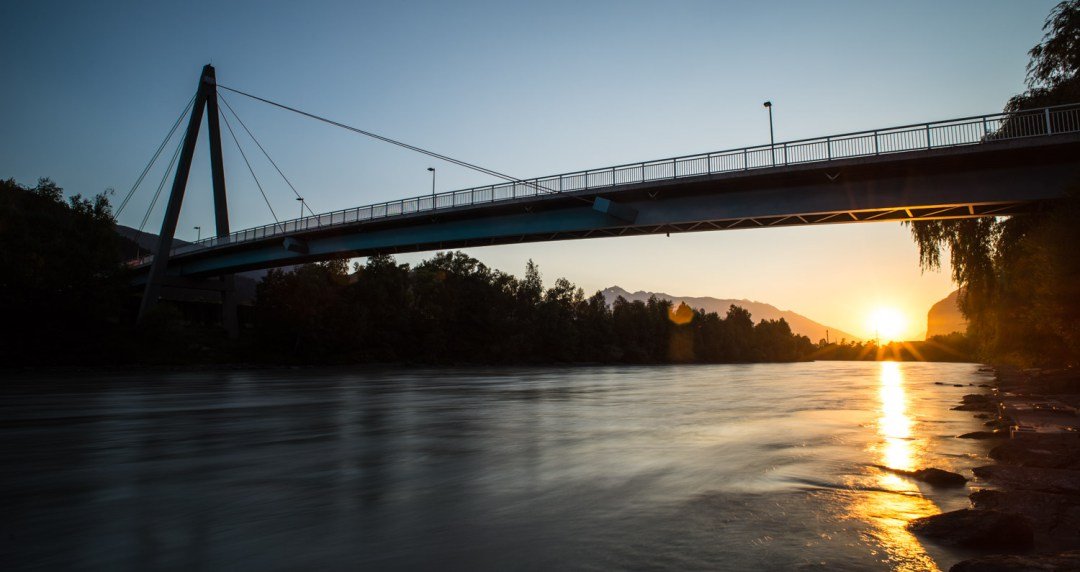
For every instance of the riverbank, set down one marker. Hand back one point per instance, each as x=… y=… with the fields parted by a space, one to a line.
x=1027 y=509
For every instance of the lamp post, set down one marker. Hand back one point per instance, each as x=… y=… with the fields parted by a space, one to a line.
x=432 y=169
x=772 y=140
x=198 y=233
x=301 y=199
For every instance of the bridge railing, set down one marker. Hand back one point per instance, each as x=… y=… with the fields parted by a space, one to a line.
x=917 y=137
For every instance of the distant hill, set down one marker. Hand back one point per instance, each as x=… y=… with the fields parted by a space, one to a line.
x=758 y=310
x=945 y=317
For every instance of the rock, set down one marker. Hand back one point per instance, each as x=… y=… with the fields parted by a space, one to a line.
x=958 y=385
x=1046 y=453
x=1055 y=518
x=939 y=478
x=972 y=528
x=976 y=402
x=1016 y=563
x=938 y=383
x=930 y=475
x=983 y=435
x=1060 y=481
x=984 y=385
x=980 y=406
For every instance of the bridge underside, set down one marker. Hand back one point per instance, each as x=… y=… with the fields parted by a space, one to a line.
x=992 y=179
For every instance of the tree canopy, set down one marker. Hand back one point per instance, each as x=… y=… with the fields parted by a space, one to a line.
x=63 y=285
x=1020 y=275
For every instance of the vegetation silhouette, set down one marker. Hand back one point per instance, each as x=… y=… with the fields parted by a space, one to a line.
x=452 y=308
x=63 y=288
x=1020 y=277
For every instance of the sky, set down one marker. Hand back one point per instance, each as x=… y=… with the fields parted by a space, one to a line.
x=525 y=88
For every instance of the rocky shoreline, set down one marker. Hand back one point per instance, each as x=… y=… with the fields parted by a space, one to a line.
x=1026 y=512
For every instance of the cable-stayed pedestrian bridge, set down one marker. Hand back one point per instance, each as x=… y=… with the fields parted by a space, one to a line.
x=984 y=165
x=996 y=164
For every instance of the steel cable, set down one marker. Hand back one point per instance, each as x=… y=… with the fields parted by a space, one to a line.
x=267 y=155
x=439 y=156
x=161 y=185
x=153 y=159
x=250 y=170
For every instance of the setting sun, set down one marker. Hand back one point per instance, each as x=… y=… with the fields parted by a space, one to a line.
x=888 y=324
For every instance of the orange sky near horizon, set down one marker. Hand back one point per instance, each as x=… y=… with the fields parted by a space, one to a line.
x=837 y=275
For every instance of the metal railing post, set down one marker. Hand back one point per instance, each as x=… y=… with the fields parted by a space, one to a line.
x=928 y=145
x=828 y=148
x=1049 y=130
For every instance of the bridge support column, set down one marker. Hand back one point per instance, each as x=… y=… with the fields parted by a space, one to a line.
x=206 y=97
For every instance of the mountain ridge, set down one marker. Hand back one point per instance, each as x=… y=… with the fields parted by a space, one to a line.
x=800 y=324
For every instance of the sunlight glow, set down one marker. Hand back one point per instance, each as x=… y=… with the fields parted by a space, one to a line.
x=894 y=425
x=888 y=324
x=896 y=499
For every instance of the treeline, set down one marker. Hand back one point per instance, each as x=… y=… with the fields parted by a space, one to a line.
x=454 y=309
x=63 y=289
x=955 y=347
x=1020 y=276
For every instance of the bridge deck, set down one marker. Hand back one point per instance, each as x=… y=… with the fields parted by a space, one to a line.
x=978 y=166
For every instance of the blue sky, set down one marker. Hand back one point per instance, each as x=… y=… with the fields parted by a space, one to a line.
x=527 y=89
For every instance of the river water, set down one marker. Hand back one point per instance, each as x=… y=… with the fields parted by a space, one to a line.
x=589 y=468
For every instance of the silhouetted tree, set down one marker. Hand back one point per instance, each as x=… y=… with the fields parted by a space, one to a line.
x=62 y=287
x=1020 y=276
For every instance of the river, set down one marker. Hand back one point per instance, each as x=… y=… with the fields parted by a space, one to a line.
x=734 y=467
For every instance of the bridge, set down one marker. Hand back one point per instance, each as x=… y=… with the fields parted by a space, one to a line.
x=986 y=165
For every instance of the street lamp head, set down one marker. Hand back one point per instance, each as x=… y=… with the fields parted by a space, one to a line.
x=301 y=199
x=432 y=169
x=768 y=104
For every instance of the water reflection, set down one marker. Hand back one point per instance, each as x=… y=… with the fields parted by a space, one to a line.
x=742 y=467
x=894 y=425
x=896 y=499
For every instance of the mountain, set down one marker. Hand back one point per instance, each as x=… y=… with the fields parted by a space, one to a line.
x=945 y=317
x=758 y=310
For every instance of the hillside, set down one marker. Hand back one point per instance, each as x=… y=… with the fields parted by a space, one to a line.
x=759 y=310
x=945 y=317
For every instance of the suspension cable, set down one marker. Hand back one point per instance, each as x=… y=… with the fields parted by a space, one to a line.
x=267 y=155
x=164 y=177
x=442 y=157
x=250 y=170
x=153 y=159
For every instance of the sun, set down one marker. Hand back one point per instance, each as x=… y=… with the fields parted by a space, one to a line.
x=887 y=324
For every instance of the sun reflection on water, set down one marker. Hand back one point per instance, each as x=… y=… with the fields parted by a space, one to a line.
x=894 y=424
x=896 y=500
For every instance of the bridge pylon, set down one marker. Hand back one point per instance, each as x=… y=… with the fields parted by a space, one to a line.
x=205 y=98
